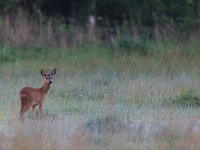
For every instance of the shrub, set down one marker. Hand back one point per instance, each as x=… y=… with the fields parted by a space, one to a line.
x=128 y=45
x=185 y=99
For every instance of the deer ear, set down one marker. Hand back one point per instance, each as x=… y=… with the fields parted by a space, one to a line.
x=53 y=72
x=43 y=73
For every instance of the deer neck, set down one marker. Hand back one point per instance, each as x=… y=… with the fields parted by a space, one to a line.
x=45 y=87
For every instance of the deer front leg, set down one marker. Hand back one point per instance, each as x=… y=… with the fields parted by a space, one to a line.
x=41 y=111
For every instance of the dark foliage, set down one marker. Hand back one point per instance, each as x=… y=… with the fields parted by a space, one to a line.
x=183 y=13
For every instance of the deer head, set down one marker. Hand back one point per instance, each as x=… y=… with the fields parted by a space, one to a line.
x=48 y=76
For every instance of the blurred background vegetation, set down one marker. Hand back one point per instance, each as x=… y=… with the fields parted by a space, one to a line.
x=106 y=28
x=128 y=73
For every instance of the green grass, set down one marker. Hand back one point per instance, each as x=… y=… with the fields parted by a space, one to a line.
x=162 y=58
x=102 y=99
x=185 y=99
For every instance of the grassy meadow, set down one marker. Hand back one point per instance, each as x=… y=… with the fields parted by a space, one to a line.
x=103 y=98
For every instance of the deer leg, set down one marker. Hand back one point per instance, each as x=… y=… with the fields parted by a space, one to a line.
x=22 y=112
x=41 y=111
x=32 y=110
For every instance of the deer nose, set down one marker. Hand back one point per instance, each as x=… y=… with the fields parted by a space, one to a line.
x=50 y=82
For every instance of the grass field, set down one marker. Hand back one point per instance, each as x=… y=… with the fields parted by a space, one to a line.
x=103 y=100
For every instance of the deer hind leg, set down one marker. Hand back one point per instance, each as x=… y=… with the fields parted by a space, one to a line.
x=32 y=110
x=22 y=114
x=41 y=111
x=23 y=109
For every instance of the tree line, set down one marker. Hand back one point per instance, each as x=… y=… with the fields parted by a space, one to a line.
x=184 y=13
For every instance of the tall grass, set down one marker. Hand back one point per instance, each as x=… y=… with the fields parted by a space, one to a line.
x=101 y=111
x=23 y=30
x=137 y=94
x=101 y=101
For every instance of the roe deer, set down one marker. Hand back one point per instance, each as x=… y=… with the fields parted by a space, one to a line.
x=31 y=97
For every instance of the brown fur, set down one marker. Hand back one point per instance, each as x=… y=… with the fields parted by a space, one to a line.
x=31 y=97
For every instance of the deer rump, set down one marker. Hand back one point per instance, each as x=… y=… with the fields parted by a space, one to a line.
x=30 y=97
